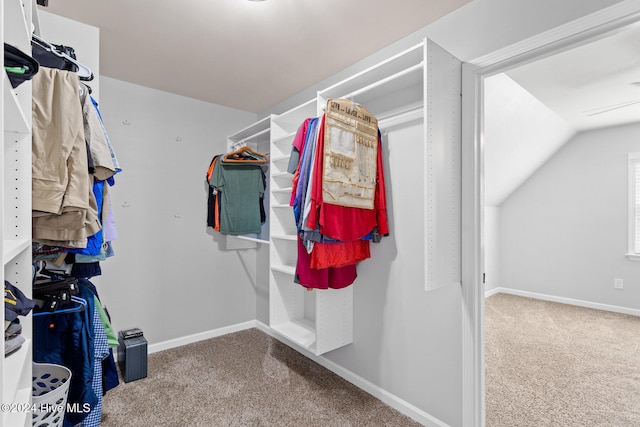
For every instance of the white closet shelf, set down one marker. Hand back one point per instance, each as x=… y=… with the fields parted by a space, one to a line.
x=291 y=119
x=19 y=418
x=282 y=190
x=381 y=72
x=301 y=332
x=14 y=364
x=17 y=31
x=13 y=247
x=284 y=138
x=251 y=131
x=15 y=122
x=285 y=237
x=286 y=269
x=395 y=77
x=282 y=175
x=253 y=239
x=282 y=206
x=280 y=158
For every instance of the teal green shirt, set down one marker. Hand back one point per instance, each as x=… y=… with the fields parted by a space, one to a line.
x=240 y=187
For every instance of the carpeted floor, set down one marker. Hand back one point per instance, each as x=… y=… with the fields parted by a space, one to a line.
x=242 y=379
x=550 y=364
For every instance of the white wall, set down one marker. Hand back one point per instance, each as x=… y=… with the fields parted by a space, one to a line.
x=491 y=248
x=564 y=232
x=169 y=276
x=84 y=39
x=403 y=335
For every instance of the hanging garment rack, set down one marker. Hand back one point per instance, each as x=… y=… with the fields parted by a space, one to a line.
x=385 y=80
x=84 y=72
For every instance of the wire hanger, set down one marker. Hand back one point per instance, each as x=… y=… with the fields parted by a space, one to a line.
x=84 y=72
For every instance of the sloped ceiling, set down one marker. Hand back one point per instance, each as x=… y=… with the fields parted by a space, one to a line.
x=533 y=110
x=520 y=134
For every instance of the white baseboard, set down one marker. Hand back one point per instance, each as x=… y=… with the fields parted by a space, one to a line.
x=378 y=392
x=490 y=292
x=189 y=339
x=563 y=300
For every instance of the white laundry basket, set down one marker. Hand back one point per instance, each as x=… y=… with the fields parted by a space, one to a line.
x=49 y=394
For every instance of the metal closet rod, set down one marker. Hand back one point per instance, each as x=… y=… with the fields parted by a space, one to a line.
x=385 y=80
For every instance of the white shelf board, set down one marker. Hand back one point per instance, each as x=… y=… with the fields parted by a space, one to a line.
x=13 y=247
x=282 y=175
x=20 y=418
x=283 y=190
x=17 y=30
x=285 y=237
x=14 y=364
x=377 y=73
x=259 y=128
x=15 y=121
x=294 y=117
x=252 y=239
x=301 y=332
x=284 y=269
x=280 y=158
x=284 y=138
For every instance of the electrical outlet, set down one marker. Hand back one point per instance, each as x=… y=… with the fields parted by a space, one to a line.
x=618 y=284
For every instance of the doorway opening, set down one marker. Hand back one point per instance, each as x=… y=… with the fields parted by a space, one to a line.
x=475 y=146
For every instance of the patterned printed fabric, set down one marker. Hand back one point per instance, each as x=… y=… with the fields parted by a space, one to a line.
x=350 y=155
x=101 y=351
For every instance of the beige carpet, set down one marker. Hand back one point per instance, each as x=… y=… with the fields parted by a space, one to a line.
x=242 y=379
x=550 y=364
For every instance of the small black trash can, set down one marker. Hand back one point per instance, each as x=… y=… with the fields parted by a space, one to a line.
x=132 y=354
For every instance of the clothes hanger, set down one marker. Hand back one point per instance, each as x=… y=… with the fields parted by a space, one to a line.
x=81 y=305
x=84 y=72
x=245 y=155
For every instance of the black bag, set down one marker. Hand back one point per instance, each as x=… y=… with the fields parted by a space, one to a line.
x=19 y=66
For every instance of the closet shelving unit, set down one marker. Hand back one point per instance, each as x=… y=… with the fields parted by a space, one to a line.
x=419 y=86
x=256 y=137
x=15 y=205
x=322 y=320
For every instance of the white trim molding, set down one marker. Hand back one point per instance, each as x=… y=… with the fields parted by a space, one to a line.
x=633 y=192
x=378 y=392
x=201 y=336
x=562 y=37
x=564 y=300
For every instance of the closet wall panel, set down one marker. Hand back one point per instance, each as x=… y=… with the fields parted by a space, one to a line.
x=15 y=212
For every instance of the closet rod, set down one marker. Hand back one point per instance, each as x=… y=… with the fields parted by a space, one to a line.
x=416 y=48
x=385 y=80
x=399 y=118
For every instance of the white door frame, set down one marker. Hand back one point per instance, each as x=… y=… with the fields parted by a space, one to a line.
x=575 y=33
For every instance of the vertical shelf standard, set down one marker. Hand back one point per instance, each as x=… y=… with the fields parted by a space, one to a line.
x=15 y=206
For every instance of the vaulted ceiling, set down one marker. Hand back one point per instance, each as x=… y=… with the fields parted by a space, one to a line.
x=531 y=111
